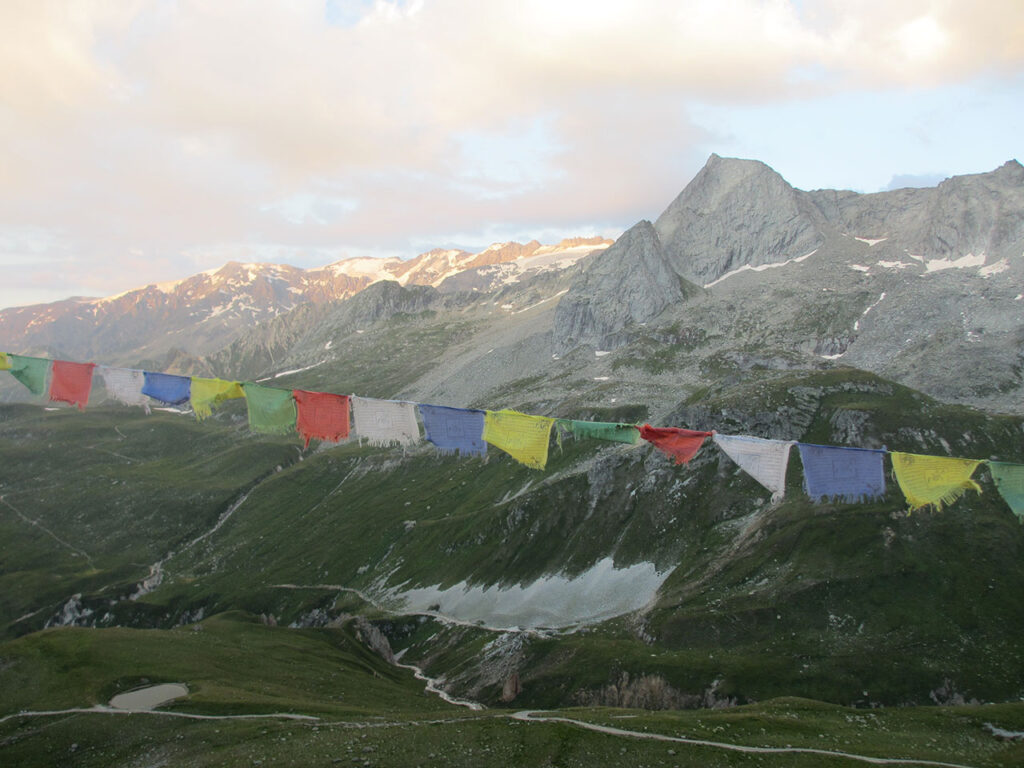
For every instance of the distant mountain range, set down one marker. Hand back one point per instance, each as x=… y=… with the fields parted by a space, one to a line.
x=205 y=312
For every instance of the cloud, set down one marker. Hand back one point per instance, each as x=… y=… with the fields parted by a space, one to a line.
x=905 y=180
x=174 y=130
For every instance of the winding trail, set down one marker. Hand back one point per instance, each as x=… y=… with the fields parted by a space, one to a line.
x=432 y=687
x=532 y=716
x=102 y=710
x=46 y=530
x=525 y=716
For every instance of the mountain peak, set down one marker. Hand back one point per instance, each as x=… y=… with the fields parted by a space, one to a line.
x=742 y=212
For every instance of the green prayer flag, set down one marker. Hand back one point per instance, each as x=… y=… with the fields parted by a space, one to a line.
x=30 y=371
x=603 y=430
x=1009 y=480
x=270 y=409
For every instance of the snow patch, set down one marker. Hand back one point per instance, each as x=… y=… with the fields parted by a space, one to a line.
x=329 y=344
x=894 y=264
x=601 y=352
x=871 y=241
x=297 y=370
x=374 y=268
x=1018 y=297
x=601 y=378
x=994 y=269
x=557 y=601
x=970 y=260
x=760 y=268
x=860 y=268
x=542 y=301
x=833 y=357
x=856 y=325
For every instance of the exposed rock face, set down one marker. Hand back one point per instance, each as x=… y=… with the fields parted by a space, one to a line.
x=652 y=692
x=736 y=212
x=374 y=639
x=512 y=688
x=630 y=283
x=973 y=214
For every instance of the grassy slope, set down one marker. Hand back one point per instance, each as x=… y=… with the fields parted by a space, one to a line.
x=369 y=711
x=821 y=601
x=118 y=490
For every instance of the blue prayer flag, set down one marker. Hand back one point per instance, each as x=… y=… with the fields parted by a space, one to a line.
x=849 y=475
x=167 y=388
x=454 y=429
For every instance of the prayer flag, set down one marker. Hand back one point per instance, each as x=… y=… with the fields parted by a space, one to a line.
x=71 y=382
x=167 y=388
x=933 y=480
x=385 y=422
x=5 y=362
x=523 y=437
x=454 y=429
x=30 y=371
x=271 y=409
x=206 y=393
x=849 y=475
x=321 y=415
x=682 y=444
x=602 y=430
x=125 y=385
x=1009 y=480
x=764 y=460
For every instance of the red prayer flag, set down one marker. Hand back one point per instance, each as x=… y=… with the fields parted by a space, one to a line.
x=71 y=382
x=321 y=415
x=683 y=444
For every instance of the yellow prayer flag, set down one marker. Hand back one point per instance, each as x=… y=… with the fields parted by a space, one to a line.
x=205 y=393
x=5 y=362
x=933 y=480
x=523 y=437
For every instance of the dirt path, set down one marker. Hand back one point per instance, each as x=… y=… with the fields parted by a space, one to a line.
x=532 y=716
x=47 y=531
x=525 y=716
x=101 y=710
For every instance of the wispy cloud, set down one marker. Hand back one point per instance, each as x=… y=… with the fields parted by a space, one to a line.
x=174 y=130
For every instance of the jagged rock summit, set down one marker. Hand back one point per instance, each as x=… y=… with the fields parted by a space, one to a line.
x=735 y=213
x=891 y=282
x=630 y=283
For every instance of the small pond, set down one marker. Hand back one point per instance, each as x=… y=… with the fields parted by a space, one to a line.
x=150 y=697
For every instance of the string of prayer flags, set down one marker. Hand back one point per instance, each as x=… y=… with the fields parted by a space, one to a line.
x=167 y=388
x=125 y=385
x=30 y=371
x=5 y=362
x=681 y=444
x=1009 y=480
x=523 y=437
x=71 y=383
x=454 y=429
x=385 y=422
x=271 y=410
x=321 y=415
x=764 y=460
x=849 y=475
x=602 y=430
x=933 y=480
x=206 y=393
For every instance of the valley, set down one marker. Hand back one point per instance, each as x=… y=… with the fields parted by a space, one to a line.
x=614 y=588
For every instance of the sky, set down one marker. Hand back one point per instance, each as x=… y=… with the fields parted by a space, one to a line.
x=143 y=141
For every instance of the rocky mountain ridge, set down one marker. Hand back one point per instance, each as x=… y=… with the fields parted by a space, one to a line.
x=205 y=312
